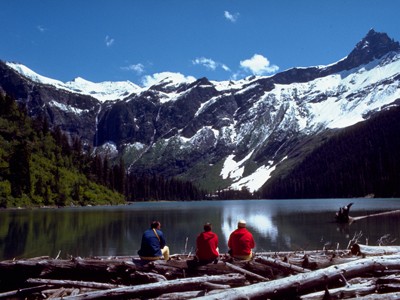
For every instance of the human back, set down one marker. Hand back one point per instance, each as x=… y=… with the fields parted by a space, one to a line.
x=153 y=244
x=241 y=242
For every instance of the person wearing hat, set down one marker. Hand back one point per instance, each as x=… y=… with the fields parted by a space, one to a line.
x=241 y=242
x=153 y=244
x=207 y=245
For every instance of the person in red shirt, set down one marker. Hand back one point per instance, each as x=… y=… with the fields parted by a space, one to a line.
x=241 y=242
x=207 y=245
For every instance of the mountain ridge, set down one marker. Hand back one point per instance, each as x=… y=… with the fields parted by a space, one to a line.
x=226 y=134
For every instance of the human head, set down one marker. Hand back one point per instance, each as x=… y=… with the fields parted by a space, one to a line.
x=155 y=225
x=207 y=226
x=242 y=224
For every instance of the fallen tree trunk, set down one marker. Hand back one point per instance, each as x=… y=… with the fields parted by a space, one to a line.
x=22 y=292
x=388 y=296
x=156 y=289
x=68 y=283
x=348 y=291
x=245 y=272
x=277 y=263
x=386 y=213
x=359 y=249
x=297 y=283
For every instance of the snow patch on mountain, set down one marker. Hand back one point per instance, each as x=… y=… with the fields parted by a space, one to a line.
x=233 y=169
x=102 y=91
x=256 y=180
x=68 y=108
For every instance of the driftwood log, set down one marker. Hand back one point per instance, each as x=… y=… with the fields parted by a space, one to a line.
x=361 y=271
x=302 y=282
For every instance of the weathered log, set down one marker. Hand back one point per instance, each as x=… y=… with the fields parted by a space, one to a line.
x=245 y=272
x=280 y=264
x=76 y=269
x=23 y=292
x=359 y=249
x=299 y=283
x=387 y=296
x=386 y=213
x=148 y=277
x=207 y=288
x=156 y=289
x=214 y=286
x=180 y=295
x=69 y=283
x=49 y=293
x=353 y=290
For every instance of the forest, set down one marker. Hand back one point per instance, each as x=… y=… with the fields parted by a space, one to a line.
x=40 y=166
x=358 y=161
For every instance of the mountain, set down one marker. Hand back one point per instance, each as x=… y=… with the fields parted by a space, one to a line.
x=236 y=134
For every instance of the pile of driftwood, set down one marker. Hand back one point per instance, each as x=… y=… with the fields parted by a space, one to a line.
x=334 y=274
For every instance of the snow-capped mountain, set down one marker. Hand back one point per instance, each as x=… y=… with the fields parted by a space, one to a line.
x=102 y=91
x=220 y=134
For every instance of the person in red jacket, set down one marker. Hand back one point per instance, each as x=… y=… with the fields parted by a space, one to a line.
x=207 y=245
x=241 y=242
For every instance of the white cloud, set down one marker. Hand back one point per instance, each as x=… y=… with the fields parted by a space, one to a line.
x=137 y=68
x=150 y=80
x=225 y=67
x=209 y=63
x=41 y=28
x=231 y=17
x=206 y=62
x=109 y=41
x=258 y=65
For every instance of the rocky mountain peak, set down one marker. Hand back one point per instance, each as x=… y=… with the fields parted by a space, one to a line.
x=373 y=45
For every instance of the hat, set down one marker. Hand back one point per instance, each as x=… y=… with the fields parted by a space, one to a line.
x=242 y=224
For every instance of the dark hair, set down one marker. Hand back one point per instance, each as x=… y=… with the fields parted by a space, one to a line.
x=155 y=224
x=207 y=227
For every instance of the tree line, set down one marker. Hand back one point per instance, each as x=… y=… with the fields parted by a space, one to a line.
x=43 y=166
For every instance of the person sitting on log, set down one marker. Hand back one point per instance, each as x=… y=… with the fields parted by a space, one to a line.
x=153 y=246
x=207 y=245
x=241 y=242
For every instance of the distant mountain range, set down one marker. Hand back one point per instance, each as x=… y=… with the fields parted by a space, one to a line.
x=242 y=134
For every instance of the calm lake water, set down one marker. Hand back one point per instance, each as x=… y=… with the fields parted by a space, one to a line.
x=277 y=225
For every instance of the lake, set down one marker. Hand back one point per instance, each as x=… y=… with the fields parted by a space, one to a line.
x=277 y=225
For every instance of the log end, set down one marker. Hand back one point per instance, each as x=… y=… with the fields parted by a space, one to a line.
x=355 y=249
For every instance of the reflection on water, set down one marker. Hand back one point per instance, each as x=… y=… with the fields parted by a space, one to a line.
x=276 y=226
x=258 y=221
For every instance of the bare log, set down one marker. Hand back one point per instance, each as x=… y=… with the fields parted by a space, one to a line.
x=386 y=213
x=69 y=283
x=207 y=288
x=359 y=249
x=353 y=290
x=181 y=295
x=305 y=281
x=387 y=296
x=22 y=292
x=148 y=277
x=245 y=272
x=280 y=264
x=156 y=289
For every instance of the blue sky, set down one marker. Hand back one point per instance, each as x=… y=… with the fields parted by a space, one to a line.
x=138 y=40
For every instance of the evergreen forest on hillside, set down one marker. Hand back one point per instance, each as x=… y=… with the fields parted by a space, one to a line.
x=43 y=167
x=358 y=161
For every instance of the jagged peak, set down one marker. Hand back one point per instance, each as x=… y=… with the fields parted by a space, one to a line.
x=373 y=45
